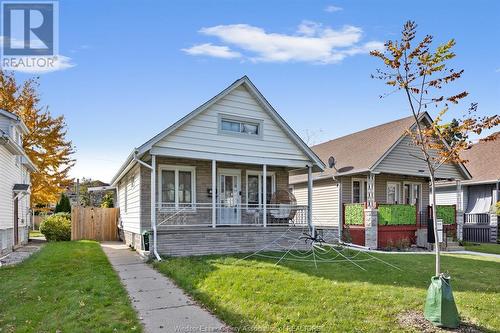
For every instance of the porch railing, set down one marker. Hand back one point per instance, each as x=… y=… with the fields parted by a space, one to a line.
x=200 y=214
x=477 y=218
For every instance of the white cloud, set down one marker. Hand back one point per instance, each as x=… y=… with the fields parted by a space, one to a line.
x=312 y=43
x=333 y=9
x=212 y=50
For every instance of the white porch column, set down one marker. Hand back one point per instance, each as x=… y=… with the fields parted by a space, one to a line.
x=370 y=187
x=309 y=195
x=264 y=194
x=153 y=203
x=214 y=193
x=494 y=216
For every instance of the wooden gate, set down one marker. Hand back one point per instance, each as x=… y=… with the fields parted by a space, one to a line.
x=94 y=223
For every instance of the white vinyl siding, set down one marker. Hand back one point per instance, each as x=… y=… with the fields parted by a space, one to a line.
x=11 y=174
x=325 y=201
x=404 y=159
x=201 y=138
x=448 y=196
x=129 y=190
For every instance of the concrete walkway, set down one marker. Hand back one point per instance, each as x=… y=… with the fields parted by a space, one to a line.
x=161 y=305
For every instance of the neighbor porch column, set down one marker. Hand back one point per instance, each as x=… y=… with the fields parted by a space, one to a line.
x=214 y=193
x=371 y=214
x=493 y=215
x=264 y=194
x=309 y=195
x=460 y=211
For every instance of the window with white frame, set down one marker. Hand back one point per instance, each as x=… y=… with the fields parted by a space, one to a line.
x=359 y=190
x=255 y=188
x=177 y=186
x=243 y=126
x=393 y=190
x=411 y=194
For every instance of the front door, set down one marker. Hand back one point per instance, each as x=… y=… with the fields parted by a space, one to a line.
x=229 y=197
x=16 y=221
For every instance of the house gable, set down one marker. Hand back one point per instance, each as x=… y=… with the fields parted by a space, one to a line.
x=200 y=136
x=404 y=158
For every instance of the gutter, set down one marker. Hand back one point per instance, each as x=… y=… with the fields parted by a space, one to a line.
x=153 y=199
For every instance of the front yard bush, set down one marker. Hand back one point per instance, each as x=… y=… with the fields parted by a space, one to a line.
x=446 y=213
x=397 y=215
x=354 y=214
x=57 y=227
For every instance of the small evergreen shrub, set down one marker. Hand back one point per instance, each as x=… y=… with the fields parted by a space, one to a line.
x=57 y=227
x=64 y=205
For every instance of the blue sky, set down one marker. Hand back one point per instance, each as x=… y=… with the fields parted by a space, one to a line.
x=141 y=65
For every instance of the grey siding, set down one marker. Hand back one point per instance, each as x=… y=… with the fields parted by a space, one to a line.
x=403 y=159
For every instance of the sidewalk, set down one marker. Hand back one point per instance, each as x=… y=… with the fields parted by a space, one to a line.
x=161 y=305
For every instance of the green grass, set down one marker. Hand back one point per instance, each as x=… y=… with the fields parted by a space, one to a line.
x=336 y=297
x=65 y=287
x=35 y=233
x=483 y=247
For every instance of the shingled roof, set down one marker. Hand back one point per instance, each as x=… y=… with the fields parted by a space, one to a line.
x=358 y=152
x=484 y=160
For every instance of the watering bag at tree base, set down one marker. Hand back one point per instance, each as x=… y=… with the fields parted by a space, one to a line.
x=440 y=308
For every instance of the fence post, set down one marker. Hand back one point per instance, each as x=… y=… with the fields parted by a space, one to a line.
x=370 y=216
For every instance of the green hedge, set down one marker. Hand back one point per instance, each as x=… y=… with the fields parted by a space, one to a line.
x=57 y=227
x=447 y=213
x=354 y=214
x=397 y=215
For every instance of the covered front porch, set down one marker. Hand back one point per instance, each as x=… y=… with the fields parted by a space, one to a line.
x=196 y=193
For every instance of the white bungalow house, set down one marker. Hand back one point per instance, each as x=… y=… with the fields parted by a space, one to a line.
x=215 y=181
x=15 y=169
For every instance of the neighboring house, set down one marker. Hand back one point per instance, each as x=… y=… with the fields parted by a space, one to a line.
x=15 y=169
x=373 y=167
x=216 y=180
x=477 y=195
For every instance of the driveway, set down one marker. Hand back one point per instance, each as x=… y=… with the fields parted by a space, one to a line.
x=161 y=305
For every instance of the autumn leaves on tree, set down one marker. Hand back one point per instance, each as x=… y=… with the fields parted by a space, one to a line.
x=45 y=144
x=421 y=74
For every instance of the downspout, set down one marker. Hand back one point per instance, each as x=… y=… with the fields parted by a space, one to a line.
x=152 y=168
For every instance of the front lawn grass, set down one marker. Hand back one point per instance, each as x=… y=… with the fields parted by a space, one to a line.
x=65 y=287
x=257 y=295
x=483 y=247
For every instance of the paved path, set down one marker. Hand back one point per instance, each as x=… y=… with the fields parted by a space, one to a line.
x=20 y=254
x=161 y=305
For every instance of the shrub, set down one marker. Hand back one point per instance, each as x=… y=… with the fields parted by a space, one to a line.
x=107 y=201
x=57 y=227
x=397 y=214
x=498 y=207
x=354 y=214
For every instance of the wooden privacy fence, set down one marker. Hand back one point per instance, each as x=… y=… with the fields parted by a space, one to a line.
x=94 y=223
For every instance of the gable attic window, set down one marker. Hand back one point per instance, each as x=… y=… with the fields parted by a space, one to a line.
x=240 y=126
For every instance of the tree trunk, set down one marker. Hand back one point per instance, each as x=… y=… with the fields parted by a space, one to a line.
x=434 y=221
